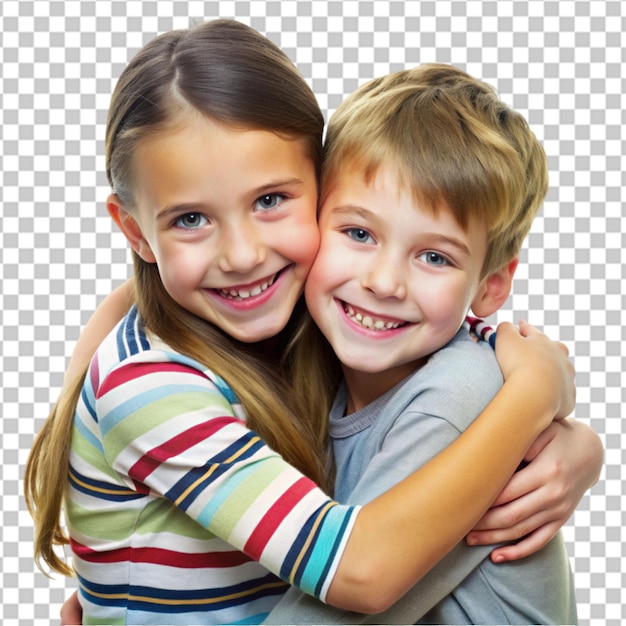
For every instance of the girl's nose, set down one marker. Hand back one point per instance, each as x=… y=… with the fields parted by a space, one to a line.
x=241 y=248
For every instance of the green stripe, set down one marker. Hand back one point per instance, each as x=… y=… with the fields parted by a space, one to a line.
x=232 y=509
x=156 y=413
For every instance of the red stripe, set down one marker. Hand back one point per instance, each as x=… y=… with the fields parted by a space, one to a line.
x=177 y=444
x=275 y=516
x=133 y=371
x=160 y=556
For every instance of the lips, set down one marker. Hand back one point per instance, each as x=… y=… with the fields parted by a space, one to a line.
x=370 y=320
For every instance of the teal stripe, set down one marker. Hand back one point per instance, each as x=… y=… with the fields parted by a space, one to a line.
x=86 y=434
x=325 y=548
x=226 y=490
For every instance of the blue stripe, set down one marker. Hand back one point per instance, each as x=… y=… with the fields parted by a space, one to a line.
x=131 y=336
x=99 y=488
x=220 y=463
x=87 y=396
x=143 y=598
x=122 y=352
x=296 y=549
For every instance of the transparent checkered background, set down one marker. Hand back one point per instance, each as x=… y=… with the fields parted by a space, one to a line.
x=560 y=62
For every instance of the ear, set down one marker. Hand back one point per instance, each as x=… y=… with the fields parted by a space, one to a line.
x=130 y=228
x=494 y=290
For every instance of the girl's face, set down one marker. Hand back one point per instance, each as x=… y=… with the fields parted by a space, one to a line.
x=229 y=217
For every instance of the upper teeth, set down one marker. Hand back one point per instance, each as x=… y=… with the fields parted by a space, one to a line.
x=243 y=293
x=368 y=321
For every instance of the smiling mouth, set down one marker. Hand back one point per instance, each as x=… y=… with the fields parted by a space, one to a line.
x=249 y=291
x=369 y=320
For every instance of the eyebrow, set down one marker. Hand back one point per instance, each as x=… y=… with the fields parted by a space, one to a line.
x=194 y=207
x=351 y=209
x=453 y=241
x=177 y=209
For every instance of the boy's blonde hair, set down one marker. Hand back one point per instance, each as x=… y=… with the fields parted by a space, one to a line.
x=451 y=140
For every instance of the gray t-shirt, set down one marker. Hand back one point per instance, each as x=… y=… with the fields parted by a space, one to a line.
x=380 y=445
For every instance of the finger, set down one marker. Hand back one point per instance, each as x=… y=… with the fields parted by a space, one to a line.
x=511 y=532
x=526 y=329
x=527 y=546
x=522 y=483
x=542 y=441
x=562 y=347
x=514 y=532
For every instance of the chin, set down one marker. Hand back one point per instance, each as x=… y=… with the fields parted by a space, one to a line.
x=260 y=334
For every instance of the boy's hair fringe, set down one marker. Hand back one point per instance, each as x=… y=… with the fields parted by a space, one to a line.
x=451 y=140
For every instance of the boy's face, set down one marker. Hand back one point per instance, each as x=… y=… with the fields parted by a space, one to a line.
x=392 y=283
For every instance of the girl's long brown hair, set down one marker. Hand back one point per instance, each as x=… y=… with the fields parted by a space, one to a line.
x=231 y=73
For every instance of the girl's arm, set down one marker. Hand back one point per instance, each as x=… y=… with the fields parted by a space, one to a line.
x=108 y=313
x=563 y=463
x=459 y=483
x=403 y=533
x=398 y=537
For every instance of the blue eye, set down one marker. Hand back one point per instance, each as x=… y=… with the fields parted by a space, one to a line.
x=359 y=235
x=433 y=258
x=191 y=221
x=269 y=201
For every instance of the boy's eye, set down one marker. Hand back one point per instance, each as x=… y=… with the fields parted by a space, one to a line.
x=269 y=201
x=433 y=258
x=191 y=220
x=359 y=234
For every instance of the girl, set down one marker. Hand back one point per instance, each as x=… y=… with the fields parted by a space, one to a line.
x=178 y=510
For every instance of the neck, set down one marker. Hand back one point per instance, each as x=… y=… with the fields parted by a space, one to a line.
x=365 y=387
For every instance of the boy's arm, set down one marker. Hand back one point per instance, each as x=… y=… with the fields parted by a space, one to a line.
x=108 y=313
x=563 y=463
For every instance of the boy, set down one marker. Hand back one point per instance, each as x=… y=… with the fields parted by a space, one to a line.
x=430 y=186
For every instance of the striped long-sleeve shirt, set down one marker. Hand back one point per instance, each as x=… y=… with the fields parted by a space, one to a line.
x=177 y=512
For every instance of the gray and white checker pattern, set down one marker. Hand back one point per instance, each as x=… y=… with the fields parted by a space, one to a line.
x=560 y=62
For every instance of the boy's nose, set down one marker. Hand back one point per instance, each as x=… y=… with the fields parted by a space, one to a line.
x=385 y=279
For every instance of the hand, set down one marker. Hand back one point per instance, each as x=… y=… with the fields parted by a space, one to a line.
x=71 y=611
x=539 y=364
x=563 y=462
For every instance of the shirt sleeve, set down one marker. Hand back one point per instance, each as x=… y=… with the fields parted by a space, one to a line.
x=169 y=431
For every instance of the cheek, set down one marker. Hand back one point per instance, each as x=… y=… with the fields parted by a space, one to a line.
x=179 y=269
x=302 y=242
x=320 y=280
x=449 y=304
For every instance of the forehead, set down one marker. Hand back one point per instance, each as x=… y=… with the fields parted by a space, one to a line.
x=384 y=199
x=198 y=153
